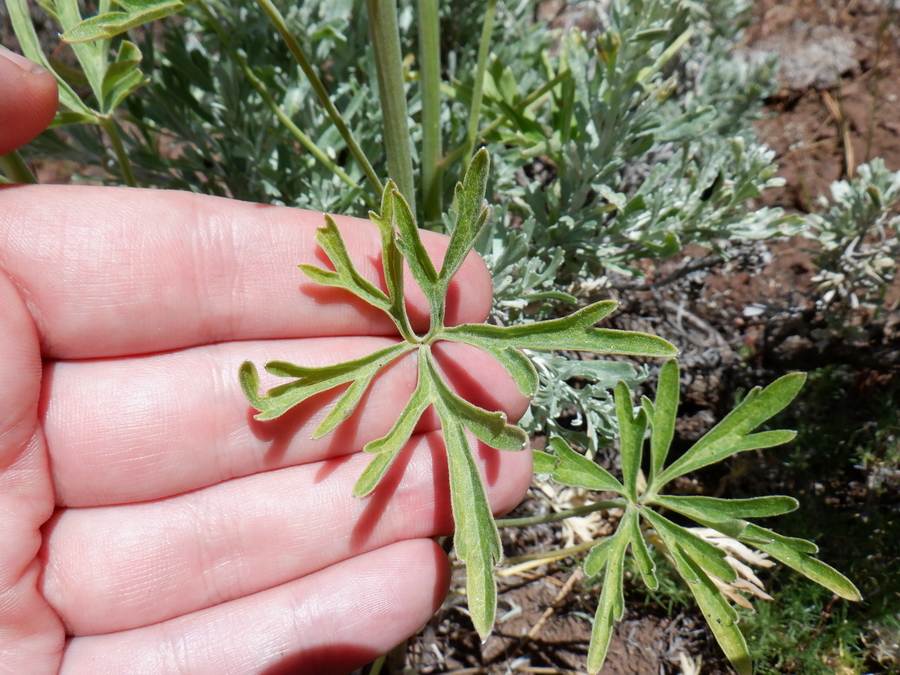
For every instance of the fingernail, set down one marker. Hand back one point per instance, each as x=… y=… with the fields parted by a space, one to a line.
x=21 y=61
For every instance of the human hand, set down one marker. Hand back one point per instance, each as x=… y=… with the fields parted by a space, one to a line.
x=148 y=523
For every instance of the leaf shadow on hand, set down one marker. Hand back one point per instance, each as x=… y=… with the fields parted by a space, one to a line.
x=471 y=385
x=378 y=500
x=280 y=432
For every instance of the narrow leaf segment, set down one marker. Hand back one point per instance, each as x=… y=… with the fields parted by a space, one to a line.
x=700 y=562
x=476 y=540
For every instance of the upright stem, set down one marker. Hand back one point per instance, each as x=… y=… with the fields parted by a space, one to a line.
x=16 y=169
x=322 y=94
x=257 y=84
x=109 y=126
x=475 y=113
x=430 y=85
x=389 y=66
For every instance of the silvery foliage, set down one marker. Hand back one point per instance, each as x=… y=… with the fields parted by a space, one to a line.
x=658 y=151
x=857 y=236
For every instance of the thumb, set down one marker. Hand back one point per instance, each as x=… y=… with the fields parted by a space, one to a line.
x=27 y=100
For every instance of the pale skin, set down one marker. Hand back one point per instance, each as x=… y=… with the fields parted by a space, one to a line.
x=147 y=523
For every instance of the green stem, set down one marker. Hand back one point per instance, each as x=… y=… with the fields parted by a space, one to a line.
x=430 y=85
x=109 y=126
x=537 y=94
x=16 y=169
x=557 y=553
x=304 y=140
x=561 y=515
x=377 y=665
x=389 y=66
x=260 y=88
x=477 y=89
x=322 y=94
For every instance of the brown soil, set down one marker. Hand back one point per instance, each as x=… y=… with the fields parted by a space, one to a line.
x=832 y=113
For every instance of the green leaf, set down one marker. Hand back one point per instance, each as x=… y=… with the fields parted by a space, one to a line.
x=639 y=549
x=575 y=469
x=572 y=332
x=611 y=606
x=64 y=117
x=795 y=554
x=109 y=24
x=477 y=540
x=389 y=446
x=489 y=427
x=631 y=435
x=719 y=614
x=597 y=557
x=282 y=398
x=707 y=555
x=344 y=407
x=728 y=436
x=519 y=368
x=720 y=510
x=392 y=259
x=543 y=463
x=471 y=215
x=122 y=77
x=662 y=414
x=346 y=275
x=413 y=249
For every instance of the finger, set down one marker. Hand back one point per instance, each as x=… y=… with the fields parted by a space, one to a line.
x=331 y=622
x=27 y=100
x=116 y=568
x=130 y=430
x=115 y=271
x=31 y=636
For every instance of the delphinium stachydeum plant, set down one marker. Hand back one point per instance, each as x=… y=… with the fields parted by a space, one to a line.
x=476 y=539
x=705 y=567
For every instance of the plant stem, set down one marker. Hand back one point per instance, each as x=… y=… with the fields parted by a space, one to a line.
x=561 y=515
x=260 y=88
x=477 y=88
x=109 y=126
x=430 y=85
x=377 y=665
x=557 y=553
x=305 y=140
x=389 y=66
x=322 y=94
x=16 y=169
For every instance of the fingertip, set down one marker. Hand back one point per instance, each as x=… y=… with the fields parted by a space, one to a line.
x=28 y=100
x=471 y=292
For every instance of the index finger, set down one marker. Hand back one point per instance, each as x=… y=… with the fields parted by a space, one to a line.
x=115 y=271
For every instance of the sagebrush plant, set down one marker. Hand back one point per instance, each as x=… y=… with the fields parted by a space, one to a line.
x=606 y=149
x=857 y=236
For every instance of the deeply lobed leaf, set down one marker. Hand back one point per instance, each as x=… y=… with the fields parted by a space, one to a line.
x=729 y=436
x=477 y=541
